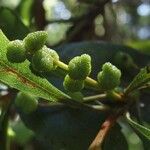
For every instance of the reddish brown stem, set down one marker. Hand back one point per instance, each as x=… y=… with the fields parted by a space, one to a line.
x=106 y=126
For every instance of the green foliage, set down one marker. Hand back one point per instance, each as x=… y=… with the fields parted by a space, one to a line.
x=142 y=78
x=11 y=24
x=23 y=135
x=27 y=103
x=80 y=67
x=143 y=46
x=141 y=129
x=64 y=125
x=25 y=11
x=73 y=85
x=109 y=77
x=16 y=51
x=20 y=77
x=35 y=41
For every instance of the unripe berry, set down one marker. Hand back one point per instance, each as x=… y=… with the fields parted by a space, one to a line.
x=72 y=85
x=52 y=53
x=109 y=77
x=80 y=67
x=35 y=41
x=42 y=61
x=27 y=103
x=16 y=51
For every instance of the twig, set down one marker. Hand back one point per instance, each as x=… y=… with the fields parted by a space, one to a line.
x=106 y=126
x=94 y=97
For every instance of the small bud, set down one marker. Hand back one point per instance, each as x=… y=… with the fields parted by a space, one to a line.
x=35 y=41
x=27 y=103
x=109 y=77
x=80 y=67
x=16 y=51
x=72 y=85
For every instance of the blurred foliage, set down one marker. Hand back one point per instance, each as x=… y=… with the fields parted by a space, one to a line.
x=142 y=45
x=78 y=20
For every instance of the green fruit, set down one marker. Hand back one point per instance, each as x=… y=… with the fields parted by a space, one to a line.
x=52 y=53
x=35 y=41
x=80 y=67
x=109 y=77
x=27 y=103
x=16 y=51
x=42 y=61
x=72 y=85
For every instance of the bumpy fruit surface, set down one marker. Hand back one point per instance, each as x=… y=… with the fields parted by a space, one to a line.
x=16 y=51
x=109 y=77
x=52 y=53
x=42 y=61
x=72 y=85
x=27 y=103
x=35 y=41
x=80 y=67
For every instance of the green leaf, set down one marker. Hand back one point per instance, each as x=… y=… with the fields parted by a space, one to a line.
x=25 y=11
x=11 y=24
x=139 y=128
x=141 y=79
x=58 y=126
x=20 y=77
x=111 y=141
x=22 y=134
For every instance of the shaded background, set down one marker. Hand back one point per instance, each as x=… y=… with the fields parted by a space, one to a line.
x=118 y=21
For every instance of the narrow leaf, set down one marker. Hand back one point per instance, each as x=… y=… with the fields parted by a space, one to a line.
x=19 y=76
x=141 y=79
x=139 y=128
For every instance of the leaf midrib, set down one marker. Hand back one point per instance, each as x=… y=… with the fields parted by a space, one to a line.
x=30 y=81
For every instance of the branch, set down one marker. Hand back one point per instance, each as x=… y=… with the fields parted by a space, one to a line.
x=94 y=97
x=106 y=126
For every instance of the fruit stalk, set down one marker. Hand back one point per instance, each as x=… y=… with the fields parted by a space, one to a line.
x=88 y=80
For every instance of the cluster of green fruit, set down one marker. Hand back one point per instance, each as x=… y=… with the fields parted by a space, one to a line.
x=44 y=59
x=34 y=49
x=78 y=69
